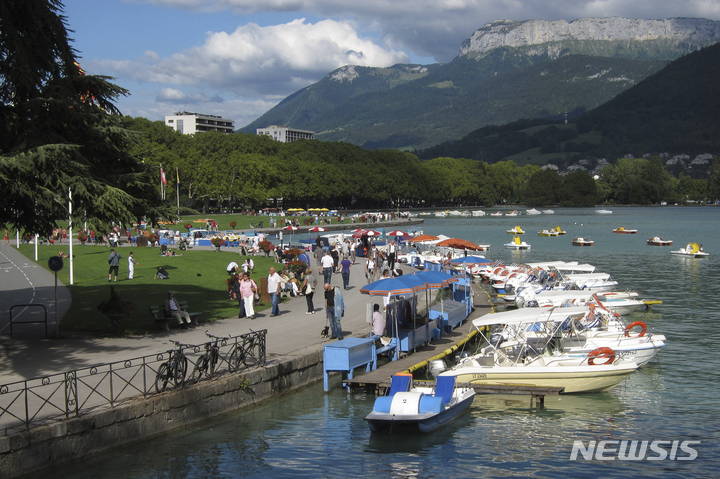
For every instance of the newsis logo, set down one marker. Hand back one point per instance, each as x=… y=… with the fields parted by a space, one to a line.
x=634 y=450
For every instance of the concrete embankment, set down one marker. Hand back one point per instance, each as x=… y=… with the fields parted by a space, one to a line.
x=48 y=445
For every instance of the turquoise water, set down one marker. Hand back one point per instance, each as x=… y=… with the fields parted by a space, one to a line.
x=311 y=434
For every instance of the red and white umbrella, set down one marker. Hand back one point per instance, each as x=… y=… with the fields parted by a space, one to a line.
x=291 y=228
x=396 y=233
x=373 y=233
x=317 y=229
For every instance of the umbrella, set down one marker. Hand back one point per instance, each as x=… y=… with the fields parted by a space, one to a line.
x=359 y=232
x=373 y=233
x=406 y=284
x=291 y=228
x=434 y=279
x=396 y=233
x=317 y=229
x=459 y=243
x=421 y=238
x=468 y=260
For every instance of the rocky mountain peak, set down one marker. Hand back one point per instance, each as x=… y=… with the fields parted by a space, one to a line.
x=695 y=32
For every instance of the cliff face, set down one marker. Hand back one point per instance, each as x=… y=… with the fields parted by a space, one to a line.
x=554 y=38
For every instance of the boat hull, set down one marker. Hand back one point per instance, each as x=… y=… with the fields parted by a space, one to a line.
x=574 y=380
x=422 y=422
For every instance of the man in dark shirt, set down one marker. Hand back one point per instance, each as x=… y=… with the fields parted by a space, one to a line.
x=334 y=306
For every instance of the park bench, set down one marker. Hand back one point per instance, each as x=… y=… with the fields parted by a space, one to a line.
x=163 y=323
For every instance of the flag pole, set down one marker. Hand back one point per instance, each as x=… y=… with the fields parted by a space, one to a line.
x=177 y=191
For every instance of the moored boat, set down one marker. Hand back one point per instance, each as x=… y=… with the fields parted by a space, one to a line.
x=560 y=231
x=658 y=241
x=548 y=233
x=549 y=212
x=478 y=213
x=603 y=212
x=582 y=242
x=533 y=211
x=692 y=250
x=513 y=213
x=517 y=244
x=624 y=231
x=516 y=230
x=421 y=408
x=497 y=213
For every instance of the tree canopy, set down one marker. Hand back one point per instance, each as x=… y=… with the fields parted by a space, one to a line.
x=61 y=132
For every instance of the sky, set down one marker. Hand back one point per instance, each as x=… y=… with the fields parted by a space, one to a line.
x=239 y=58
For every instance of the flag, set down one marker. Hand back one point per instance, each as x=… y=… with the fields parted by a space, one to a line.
x=162 y=177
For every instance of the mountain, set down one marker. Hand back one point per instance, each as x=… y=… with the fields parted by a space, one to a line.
x=505 y=71
x=673 y=111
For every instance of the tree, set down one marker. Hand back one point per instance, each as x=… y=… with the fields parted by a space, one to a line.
x=578 y=189
x=542 y=188
x=61 y=132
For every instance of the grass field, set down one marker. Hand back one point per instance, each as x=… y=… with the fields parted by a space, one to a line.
x=197 y=277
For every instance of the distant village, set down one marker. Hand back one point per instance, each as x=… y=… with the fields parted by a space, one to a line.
x=701 y=161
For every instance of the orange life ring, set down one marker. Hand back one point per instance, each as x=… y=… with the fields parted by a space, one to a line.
x=632 y=325
x=600 y=353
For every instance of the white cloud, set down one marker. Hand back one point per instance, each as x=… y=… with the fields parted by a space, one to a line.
x=256 y=60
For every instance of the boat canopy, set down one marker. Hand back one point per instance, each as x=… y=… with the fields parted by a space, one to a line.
x=530 y=315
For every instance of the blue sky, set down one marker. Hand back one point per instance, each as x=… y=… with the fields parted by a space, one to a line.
x=239 y=58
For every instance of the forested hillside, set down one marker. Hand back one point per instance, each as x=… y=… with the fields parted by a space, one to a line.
x=219 y=171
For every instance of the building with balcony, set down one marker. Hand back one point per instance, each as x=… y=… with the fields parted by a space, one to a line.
x=286 y=134
x=186 y=123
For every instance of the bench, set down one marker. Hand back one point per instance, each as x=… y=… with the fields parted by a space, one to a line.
x=391 y=349
x=158 y=313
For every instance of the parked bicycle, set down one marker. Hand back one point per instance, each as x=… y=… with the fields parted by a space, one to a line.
x=208 y=361
x=249 y=353
x=174 y=369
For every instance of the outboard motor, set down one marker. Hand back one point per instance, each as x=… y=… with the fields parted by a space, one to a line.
x=496 y=339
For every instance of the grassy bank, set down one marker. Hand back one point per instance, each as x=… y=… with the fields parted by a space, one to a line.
x=197 y=277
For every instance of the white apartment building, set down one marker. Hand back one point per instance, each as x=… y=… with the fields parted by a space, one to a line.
x=186 y=123
x=285 y=134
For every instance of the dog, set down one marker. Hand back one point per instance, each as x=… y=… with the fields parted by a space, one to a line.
x=325 y=332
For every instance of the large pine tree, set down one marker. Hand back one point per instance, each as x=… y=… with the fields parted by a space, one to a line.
x=60 y=131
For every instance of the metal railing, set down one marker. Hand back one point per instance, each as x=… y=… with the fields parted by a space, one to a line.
x=24 y=404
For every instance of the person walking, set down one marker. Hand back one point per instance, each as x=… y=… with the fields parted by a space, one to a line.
x=345 y=270
x=335 y=309
x=308 y=289
x=248 y=288
x=327 y=266
x=114 y=261
x=274 y=282
x=353 y=246
x=131 y=264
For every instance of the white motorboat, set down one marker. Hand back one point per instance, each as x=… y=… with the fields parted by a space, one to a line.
x=478 y=213
x=454 y=213
x=421 y=408
x=517 y=244
x=533 y=211
x=440 y=214
x=603 y=212
x=533 y=355
x=527 y=298
x=549 y=212
x=692 y=250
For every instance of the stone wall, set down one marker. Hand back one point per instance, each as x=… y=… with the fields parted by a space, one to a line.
x=99 y=431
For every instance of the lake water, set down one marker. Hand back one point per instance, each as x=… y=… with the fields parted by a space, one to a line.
x=311 y=434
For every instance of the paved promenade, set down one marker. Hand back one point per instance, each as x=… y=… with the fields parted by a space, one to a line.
x=24 y=282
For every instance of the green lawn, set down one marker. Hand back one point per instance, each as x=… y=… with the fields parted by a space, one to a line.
x=197 y=277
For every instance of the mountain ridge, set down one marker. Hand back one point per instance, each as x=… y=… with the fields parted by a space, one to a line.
x=409 y=106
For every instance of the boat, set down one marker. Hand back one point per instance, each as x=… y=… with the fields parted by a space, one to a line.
x=497 y=213
x=478 y=213
x=533 y=211
x=658 y=241
x=560 y=231
x=513 y=213
x=420 y=408
x=551 y=232
x=692 y=250
x=520 y=361
x=603 y=212
x=517 y=244
x=582 y=242
x=441 y=214
x=516 y=230
x=548 y=212
x=624 y=231
x=454 y=213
